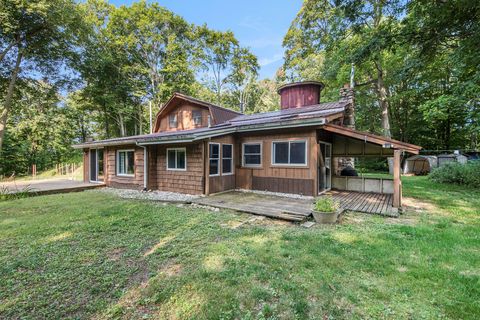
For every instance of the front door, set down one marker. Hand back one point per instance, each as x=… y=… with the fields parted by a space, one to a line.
x=325 y=167
x=96 y=165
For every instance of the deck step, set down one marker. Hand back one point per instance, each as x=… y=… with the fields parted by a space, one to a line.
x=275 y=214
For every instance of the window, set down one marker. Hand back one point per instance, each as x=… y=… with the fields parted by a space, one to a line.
x=172 y=120
x=197 y=117
x=252 y=154
x=177 y=159
x=214 y=157
x=289 y=152
x=227 y=158
x=125 y=163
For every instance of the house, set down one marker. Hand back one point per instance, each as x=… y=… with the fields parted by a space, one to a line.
x=200 y=148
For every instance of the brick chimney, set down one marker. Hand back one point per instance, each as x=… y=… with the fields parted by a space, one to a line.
x=347 y=94
x=300 y=94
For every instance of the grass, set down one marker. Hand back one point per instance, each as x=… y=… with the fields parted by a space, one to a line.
x=91 y=255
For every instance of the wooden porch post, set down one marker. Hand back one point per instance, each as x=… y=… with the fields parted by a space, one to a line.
x=397 y=182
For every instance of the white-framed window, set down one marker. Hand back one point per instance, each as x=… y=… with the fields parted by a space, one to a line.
x=197 y=117
x=172 y=120
x=214 y=159
x=227 y=159
x=252 y=154
x=293 y=152
x=126 y=163
x=177 y=159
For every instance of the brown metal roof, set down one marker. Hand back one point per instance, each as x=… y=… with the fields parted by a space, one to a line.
x=372 y=138
x=230 y=121
x=322 y=109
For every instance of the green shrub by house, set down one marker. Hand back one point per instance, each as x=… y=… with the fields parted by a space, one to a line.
x=464 y=174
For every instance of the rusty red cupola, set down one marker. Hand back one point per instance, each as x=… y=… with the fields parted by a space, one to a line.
x=300 y=94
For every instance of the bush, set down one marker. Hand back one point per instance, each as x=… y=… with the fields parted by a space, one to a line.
x=454 y=172
x=326 y=204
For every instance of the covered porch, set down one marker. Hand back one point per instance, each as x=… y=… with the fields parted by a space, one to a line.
x=339 y=146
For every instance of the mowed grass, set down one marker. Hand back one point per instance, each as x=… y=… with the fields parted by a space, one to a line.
x=92 y=255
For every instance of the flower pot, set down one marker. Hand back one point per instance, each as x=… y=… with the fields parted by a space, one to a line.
x=326 y=217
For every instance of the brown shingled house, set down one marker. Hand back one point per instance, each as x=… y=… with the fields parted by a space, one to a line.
x=200 y=148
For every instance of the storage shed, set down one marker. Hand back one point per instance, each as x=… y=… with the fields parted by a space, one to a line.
x=419 y=164
x=453 y=157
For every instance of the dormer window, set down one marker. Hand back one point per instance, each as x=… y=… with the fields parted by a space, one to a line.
x=172 y=120
x=197 y=117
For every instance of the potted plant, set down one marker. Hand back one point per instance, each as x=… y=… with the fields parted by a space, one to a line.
x=326 y=210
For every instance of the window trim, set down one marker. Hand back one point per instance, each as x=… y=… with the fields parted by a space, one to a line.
x=303 y=165
x=231 y=161
x=184 y=149
x=260 y=165
x=176 y=120
x=118 y=163
x=218 y=159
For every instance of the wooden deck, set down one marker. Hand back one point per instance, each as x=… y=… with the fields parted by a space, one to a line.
x=366 y=202
x=289 y=209
x=49 y=186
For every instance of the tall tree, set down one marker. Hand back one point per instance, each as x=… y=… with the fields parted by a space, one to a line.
x=35 y=37
x=158 y=45
x=226 y=65
x=362 y=32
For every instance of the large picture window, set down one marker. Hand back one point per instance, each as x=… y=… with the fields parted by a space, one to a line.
x=252 y=154
x=125 y=162
x=214 y=157
x=227 y=159
x=289 y=152
x=172 y=120
x=176 y=159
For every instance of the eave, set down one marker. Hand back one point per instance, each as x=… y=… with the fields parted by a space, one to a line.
x=372 y=138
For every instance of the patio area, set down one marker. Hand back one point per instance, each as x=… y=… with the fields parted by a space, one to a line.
x=48 y=186
x=297 y=209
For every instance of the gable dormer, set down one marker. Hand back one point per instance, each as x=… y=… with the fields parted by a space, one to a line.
x=182 y=112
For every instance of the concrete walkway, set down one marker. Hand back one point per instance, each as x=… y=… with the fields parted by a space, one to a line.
x=259 y=204
x=48 y=186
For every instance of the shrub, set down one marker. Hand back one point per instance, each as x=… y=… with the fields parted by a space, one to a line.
x=326 y=204
x=454 y=172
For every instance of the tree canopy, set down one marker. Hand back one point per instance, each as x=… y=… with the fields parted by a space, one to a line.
x=92 y=69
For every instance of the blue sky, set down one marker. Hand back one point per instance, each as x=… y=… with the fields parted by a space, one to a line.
x=259 y=24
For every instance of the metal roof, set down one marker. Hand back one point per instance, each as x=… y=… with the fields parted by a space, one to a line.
x=287 y=118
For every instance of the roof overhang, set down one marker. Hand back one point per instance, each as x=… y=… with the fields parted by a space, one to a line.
x=183 y=137
x=372 y=138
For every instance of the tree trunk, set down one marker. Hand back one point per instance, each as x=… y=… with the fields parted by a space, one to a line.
x=8 y=98
x=382 y=95
x=121 y=125
x=4 y=53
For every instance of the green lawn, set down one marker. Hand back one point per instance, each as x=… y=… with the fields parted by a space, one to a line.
x=91 y=255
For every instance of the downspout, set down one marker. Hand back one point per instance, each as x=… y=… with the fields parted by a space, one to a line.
x=145 y=166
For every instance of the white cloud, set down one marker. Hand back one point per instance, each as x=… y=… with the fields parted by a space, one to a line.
x=255 y=23
x=266 y=61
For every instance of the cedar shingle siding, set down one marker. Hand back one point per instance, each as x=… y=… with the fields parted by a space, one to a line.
x=189 y=181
